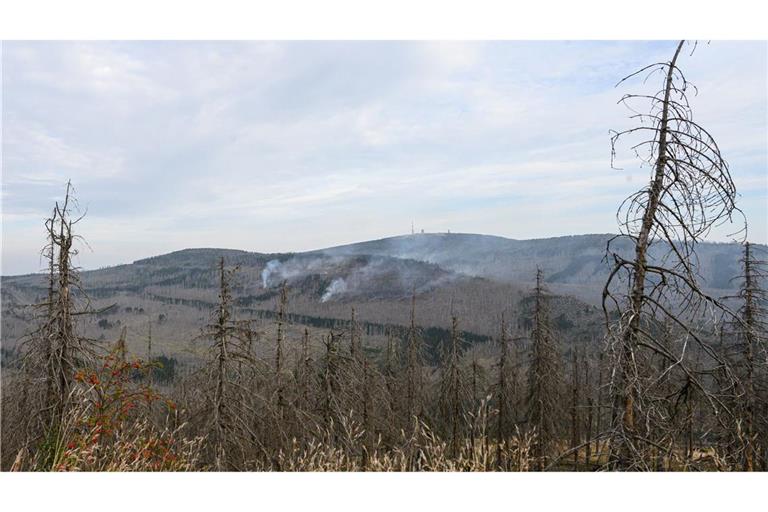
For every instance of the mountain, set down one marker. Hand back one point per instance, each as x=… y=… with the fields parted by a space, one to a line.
x=575 y=262
x=477 y=277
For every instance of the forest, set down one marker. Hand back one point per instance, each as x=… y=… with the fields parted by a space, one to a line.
x=674 y=378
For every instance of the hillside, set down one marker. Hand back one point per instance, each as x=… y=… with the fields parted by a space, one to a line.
x=567 y=260
x=478 y=276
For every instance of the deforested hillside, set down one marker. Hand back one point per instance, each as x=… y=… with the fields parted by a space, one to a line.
x=175 y=291
x=480 y=275
x=575 y=261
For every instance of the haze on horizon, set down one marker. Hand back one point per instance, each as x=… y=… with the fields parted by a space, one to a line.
x=291 y=146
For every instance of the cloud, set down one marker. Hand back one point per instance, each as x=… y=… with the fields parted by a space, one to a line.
x=276 y=146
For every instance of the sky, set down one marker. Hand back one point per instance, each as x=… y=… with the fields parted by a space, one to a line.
x=290 y=146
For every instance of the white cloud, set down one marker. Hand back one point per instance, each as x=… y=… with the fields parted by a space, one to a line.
x=291 y=145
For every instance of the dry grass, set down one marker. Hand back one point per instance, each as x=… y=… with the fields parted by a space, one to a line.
x=424 y=451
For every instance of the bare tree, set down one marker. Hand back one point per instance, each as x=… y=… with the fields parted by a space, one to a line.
x=355 y=344
x=748 y=354
x=55 y=350
x=545 y=385
x=150 y=372
x=689 y=193
x=228 y=428
x=120 y=348
x=332 y=378
x=452 y=389
x=391 y=376
x=505 y=392
x=414 y=372
x=575 y=397
x=68 y=351
x=589 y=420
x=304 y=372
x=282 y=301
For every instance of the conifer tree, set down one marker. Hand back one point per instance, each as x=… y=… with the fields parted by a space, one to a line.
x=453 y=389
x=414 y=372
x=690 y=191
x=545 y=385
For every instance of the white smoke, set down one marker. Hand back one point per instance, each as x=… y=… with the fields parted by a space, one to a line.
x=272 y=267
x=275 y=272
x=351 y=275
x=337 y=286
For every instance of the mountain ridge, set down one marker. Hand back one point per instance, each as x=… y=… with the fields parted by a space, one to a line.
x=475 y=276
x=574 y=263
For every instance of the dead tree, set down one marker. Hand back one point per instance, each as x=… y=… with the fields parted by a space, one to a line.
x=120 y=348
x=601 y=403
x=357 y=380
x=505 y=393
x=690 y=192
x=749 y=356
x=575 y=384
x=304 y=372
x=229 y=426
x=414 y=372
x=477 y=403
x=368 y=411
x=331 y=379
x=391 y=376
x=55 y=351
x=452 y=389
x=68 y=351
x=279 y=359
x=545 y=385
x=477 y=385
x=150 y=373
x=590 y=411
x=355 y=344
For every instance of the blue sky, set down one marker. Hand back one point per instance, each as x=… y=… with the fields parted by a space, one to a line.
x=281 y=146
